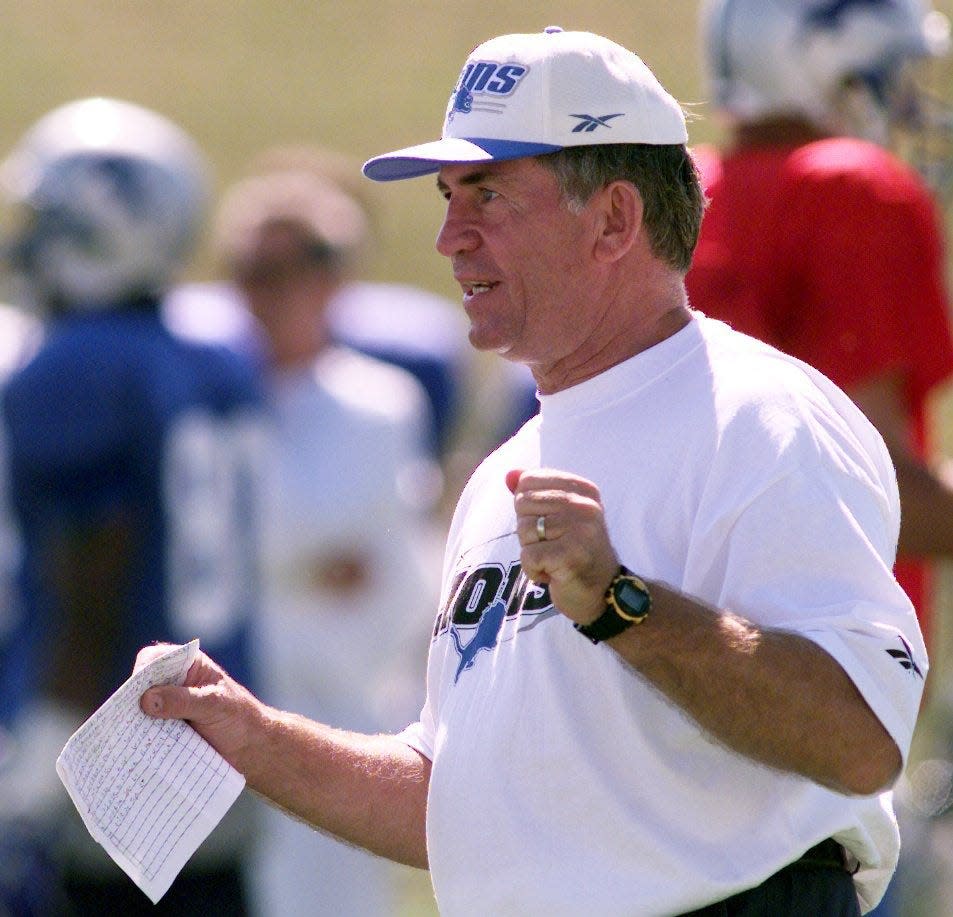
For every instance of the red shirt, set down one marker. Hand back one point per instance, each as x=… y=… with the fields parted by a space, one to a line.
x=830 y=251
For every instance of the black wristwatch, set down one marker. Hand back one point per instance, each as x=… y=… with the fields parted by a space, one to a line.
x=628 y=602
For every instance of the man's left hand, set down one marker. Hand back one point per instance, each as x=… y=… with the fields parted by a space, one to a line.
x=575 y=558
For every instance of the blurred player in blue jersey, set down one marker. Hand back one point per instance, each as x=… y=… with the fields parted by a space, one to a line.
x=20 y=333
x=133 y=461
x=22 y=858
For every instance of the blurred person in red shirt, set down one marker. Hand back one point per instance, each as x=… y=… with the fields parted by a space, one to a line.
x=820 y=240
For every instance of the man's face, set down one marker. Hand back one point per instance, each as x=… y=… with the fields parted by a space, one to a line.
x=522 y=258
x=276 y=274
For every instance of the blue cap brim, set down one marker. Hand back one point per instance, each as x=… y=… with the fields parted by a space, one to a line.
x=427 y=158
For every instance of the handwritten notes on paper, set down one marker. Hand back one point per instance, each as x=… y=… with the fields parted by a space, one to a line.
x=149 y=791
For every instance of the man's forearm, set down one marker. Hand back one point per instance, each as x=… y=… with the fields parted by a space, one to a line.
x=926 y=528
x=370 y=791
x=926 y=495
x=773 y=696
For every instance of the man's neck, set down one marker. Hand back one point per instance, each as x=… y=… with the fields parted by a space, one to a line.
x=780 y=131
x=634 y=335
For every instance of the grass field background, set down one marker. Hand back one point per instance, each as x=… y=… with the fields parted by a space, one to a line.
x=361 y=77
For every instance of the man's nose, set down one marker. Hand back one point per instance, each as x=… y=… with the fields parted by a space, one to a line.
x=458 y=233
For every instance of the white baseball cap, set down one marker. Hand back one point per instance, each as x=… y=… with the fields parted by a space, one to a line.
x=524 y=95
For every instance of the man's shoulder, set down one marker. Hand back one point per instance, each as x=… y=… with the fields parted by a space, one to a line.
x=90 y=365
x=370 y=386
x=70 y=349
x=118 y=340
x=838 y=165
x=852 y=162
x=755 y=383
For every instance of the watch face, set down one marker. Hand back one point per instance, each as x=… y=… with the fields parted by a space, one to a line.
x=633 y=600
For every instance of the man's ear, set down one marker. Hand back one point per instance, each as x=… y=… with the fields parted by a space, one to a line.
x=621 y=211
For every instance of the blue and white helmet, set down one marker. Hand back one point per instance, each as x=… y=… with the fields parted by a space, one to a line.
x=797 y=57
x=111 y=197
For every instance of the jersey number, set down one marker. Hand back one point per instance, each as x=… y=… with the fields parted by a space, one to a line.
x=211 y=480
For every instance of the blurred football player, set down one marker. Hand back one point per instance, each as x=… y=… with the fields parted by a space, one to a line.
x=347 y=536
x=817 y=238
x=473 y=407
x=133 y=461
x=821 y=239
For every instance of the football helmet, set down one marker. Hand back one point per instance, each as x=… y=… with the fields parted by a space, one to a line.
x=109 y=198
x=842 y=64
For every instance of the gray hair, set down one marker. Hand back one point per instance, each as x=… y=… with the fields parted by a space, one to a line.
x=665 y=177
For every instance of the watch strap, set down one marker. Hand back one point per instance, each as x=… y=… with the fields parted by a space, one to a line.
x=618 y=616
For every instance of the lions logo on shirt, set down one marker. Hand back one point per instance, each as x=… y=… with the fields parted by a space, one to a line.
x=489 y=603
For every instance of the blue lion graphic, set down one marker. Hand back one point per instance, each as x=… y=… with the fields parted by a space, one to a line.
x=486 y=637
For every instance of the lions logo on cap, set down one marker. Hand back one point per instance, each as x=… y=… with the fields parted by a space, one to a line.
x=489 y=79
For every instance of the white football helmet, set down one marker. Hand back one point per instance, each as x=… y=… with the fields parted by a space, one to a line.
x=110 y=198
x=839 y=63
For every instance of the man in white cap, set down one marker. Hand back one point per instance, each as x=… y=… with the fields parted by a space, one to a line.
x=715 y=732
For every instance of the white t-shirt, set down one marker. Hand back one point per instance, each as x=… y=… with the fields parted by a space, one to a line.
x=563 y=783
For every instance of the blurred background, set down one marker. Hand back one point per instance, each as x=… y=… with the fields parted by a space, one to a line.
x=361 y=77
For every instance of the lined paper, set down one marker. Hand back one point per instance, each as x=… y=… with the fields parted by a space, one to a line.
x=149 y=791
